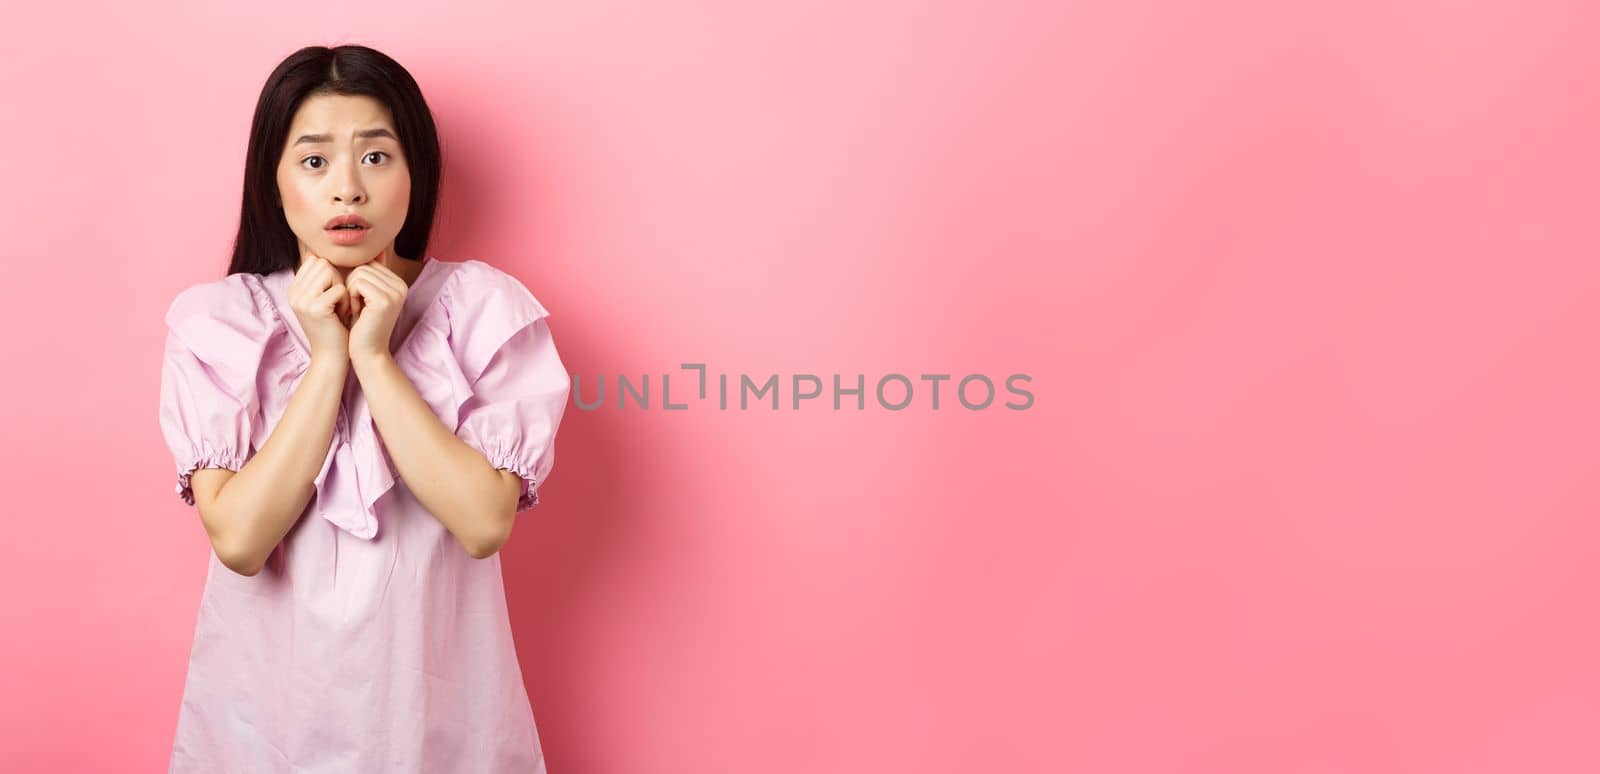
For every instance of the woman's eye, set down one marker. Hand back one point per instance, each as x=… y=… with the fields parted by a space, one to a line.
x=324 y=162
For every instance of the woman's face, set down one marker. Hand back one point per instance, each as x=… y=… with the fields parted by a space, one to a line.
x=343 y=156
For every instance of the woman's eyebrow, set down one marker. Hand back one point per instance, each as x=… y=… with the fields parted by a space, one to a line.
x=362 y=135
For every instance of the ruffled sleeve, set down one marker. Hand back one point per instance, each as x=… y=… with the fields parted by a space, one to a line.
x=516 y=407
x=218 y=336
x=517 y=385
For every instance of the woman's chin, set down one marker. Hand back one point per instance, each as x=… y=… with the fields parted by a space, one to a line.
x=348 y=256
x=351 y=255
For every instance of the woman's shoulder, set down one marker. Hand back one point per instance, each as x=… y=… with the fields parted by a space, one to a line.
x=482 y=292
x=481 y=307
x=231 y=299
x=225 y=320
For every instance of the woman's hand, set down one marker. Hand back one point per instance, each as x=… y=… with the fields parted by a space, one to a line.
x=321 y=302
x=376 y=295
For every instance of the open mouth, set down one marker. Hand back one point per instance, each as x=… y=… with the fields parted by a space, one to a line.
x=347 y=235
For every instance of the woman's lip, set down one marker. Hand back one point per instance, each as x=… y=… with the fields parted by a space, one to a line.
x=346 y=236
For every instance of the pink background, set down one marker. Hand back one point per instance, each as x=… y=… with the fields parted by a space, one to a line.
x=1308 y=296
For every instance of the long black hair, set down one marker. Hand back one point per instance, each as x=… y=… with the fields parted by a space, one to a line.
x=265 y=243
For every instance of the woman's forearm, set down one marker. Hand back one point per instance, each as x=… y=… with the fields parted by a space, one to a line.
x=247 y=513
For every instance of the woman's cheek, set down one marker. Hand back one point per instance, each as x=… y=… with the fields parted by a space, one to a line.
x=298 y=212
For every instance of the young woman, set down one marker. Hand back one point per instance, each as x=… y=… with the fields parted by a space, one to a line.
x=358 y=424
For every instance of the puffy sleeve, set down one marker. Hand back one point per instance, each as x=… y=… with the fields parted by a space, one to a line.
x=518 y=384
x=216 y=339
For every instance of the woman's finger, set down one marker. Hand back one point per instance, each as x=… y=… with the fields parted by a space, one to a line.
x=330 y=300
x=382 y=275
x=372 y=288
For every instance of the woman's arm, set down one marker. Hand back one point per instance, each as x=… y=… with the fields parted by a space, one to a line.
x=247 y=513
x=476 y=502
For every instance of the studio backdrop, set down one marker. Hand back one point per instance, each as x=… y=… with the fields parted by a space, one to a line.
x=1009 y=386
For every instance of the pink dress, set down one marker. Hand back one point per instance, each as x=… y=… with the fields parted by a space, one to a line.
x=371 y=641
